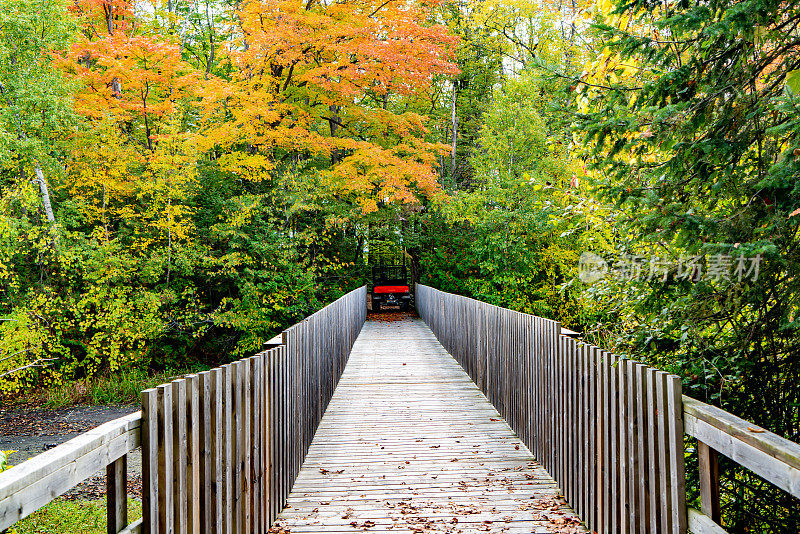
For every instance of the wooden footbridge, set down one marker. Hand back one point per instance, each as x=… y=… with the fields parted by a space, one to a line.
x=471 y=419
x=423 y=450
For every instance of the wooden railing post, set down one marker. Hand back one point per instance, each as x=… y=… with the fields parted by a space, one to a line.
x=676 y=464
x=709 y=481
x=149 y=398
x=117 y=495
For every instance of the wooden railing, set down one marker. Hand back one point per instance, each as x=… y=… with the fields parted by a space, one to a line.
x=220 y=449
x=609 y=430
x=766 y=454
x=35 y=483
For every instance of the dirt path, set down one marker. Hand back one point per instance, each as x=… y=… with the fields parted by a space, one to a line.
x=31 y=430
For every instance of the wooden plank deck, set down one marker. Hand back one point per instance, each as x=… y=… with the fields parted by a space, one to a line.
x=409 y=444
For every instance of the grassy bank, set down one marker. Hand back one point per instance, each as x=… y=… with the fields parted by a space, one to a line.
x=120 y=388
x=72 y=517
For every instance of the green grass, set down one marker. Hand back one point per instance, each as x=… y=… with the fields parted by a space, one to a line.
x=72 y=517
x=121 y=388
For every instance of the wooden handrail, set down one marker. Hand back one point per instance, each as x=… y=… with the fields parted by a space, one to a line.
x=738 y=439
x=700 y=523
x=35 y=483
x=772 y=457
x=221 y=449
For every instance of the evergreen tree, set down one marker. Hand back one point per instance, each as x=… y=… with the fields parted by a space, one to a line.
x=691 y=113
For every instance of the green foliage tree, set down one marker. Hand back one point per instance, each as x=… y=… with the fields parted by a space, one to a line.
x=35 y=115
x=35 y=102
x=514 y=239
x=480 y=61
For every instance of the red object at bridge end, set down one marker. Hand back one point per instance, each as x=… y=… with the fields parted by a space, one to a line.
x=390 y=289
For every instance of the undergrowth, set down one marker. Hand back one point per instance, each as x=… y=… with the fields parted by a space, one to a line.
x=72 y=517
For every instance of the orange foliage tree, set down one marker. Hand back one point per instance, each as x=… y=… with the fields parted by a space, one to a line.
x=323 y=87
x=133 y=90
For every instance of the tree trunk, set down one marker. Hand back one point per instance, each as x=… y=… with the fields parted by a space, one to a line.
x=48 y=208
x=334 y=122
x=108 y=11
x=211 y=42
x=171 y=7
x=116 y=88
x=453 y=137
x=105 y=219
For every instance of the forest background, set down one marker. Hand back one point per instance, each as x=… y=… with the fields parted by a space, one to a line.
x=182 y=179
